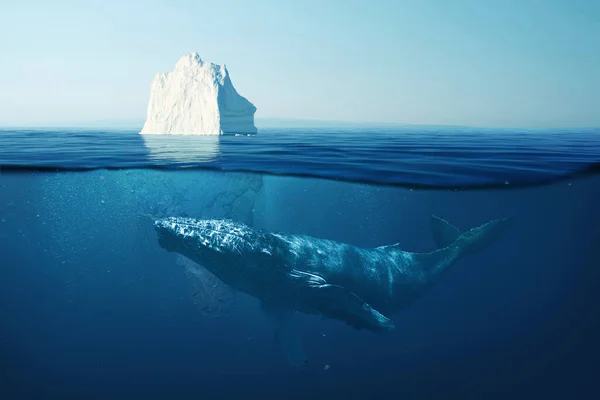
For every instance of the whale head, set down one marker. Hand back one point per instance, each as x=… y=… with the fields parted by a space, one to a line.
x=218 y=245
x=206 y=235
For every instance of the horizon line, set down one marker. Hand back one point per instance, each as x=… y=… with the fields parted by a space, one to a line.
x=290 y=122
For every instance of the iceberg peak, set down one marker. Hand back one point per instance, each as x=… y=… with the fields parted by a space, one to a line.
x=197 y=98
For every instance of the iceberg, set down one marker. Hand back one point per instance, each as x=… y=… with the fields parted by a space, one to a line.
x=197 y=98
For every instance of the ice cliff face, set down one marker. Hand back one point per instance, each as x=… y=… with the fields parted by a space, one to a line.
x=197 y=98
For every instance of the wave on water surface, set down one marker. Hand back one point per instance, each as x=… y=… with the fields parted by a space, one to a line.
x=429 y=157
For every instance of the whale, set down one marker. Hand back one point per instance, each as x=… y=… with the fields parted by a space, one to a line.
x=360 y=286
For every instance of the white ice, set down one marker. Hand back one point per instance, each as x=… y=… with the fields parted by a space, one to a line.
x=197 y=98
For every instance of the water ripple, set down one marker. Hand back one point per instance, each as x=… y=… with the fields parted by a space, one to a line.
x=411 y=156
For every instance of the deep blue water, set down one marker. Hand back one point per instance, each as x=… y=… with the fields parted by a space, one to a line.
x=92 y=307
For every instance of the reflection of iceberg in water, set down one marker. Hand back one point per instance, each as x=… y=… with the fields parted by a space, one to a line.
x=202 y=193
x=210 y=296
x=181 y=193
x=181 y=149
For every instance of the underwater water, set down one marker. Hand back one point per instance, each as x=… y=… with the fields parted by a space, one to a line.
x=92 y=306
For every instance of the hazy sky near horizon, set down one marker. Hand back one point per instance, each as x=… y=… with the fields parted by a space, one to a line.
x=526 y=63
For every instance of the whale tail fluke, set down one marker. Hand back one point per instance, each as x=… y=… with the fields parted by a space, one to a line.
x=445 y=234
x=482 y=236
x=453 y=243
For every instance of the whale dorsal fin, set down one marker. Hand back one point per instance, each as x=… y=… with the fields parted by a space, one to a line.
x=444 y=233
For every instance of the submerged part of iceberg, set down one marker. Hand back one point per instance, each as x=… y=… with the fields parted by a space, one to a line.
x=197 y=98
x=212 y=297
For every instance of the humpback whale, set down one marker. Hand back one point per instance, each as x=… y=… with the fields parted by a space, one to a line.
x=360 y=286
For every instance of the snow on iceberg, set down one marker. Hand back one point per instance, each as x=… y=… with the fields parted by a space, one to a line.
x=197 y=98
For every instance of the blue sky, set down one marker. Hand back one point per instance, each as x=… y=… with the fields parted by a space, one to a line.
x=525 y=63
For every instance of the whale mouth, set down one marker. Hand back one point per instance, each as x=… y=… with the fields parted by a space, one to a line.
x=164 y=236
x=164 y=242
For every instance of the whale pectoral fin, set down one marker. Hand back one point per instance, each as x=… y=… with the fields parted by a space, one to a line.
x=444 y=233
x=337 y=302
x=286 y=334
x=340 y=303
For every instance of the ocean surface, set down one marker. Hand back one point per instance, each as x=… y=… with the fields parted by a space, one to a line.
x=412 y=156
x=91 y=305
